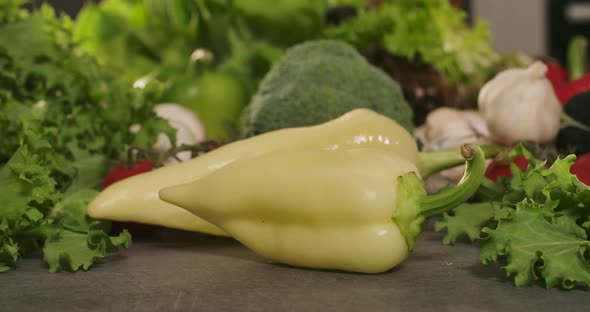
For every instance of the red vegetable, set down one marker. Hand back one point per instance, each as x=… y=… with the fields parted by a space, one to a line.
x=121 y=172
x=575 y=87
x=496 y=170
x=565 y=89
x=556 y=74
x=558 y=77
x=574 y=80
x=581 y=168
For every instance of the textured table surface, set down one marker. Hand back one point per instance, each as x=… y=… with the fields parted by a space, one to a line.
x=176 y=271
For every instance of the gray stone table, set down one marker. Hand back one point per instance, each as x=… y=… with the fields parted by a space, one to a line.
x=176 y=271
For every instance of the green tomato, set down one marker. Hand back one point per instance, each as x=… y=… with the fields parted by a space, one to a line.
x=217 y=98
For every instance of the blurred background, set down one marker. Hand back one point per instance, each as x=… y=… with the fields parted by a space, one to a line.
x=540 y=27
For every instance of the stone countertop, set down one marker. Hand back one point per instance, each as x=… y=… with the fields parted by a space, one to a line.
x=178 y=271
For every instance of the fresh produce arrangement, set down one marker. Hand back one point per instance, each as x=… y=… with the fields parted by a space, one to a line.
x=427 y=47
x=318 y=134
x=531 y=214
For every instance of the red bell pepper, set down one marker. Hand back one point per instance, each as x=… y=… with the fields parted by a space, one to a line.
x=496 y=170
x=581 y=168
x=121 y=172
x=568 y=83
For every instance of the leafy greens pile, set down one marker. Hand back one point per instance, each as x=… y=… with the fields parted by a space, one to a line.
x=209 y=54
x=538 y=222
x=63 y=121
x=434 y=32
x=159 y=36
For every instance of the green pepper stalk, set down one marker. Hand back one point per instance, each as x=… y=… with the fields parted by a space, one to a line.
x=415 y=206
x=433 y=162
x=357 y=210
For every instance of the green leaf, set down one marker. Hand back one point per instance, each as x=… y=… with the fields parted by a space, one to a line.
x=565 y=192
x=71 y=251
x=9 y=253
x=26 y=188
x=64 y=119
x=526 y=183
x=434 y=32
x=541 y=230
x=466 y=220
x=539 y=245
x=490 y=191
x=24 y=179
x=71 y=211
x=559 y=172
x=90 y=169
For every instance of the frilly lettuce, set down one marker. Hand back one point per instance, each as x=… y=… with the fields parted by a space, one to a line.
x=64 y=121
x=537 y=222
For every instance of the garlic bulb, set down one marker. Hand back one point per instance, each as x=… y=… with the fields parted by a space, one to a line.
x=520 y=104
x=448 y=128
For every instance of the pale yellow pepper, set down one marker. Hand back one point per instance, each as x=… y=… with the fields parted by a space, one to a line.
x=356 y=210
x=136 y=198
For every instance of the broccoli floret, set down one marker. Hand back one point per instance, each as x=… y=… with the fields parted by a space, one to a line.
x=317 y=81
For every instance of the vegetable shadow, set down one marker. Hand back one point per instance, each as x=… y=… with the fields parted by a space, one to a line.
x=494 y=271
x=64 y=262
x=491 y=272
x=193 y=242
x=330 y=271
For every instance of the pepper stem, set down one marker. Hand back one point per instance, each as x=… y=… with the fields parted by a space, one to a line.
x=414 y=206
x=576 y=57
x=568 y=121
x=433 y=162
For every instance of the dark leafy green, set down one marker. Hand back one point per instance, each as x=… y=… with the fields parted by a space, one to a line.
x=64 y=120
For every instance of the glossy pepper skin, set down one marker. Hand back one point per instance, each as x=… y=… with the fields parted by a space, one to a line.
x=135 y=199
x=356 y=210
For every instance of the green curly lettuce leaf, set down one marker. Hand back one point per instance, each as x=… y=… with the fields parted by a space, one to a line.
x=495 y=198
x=34 y=214
x=539 y=245
x=28 y=191
x=64 y=120
x=466 y=220
x=537 y=221
x=67 y=250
